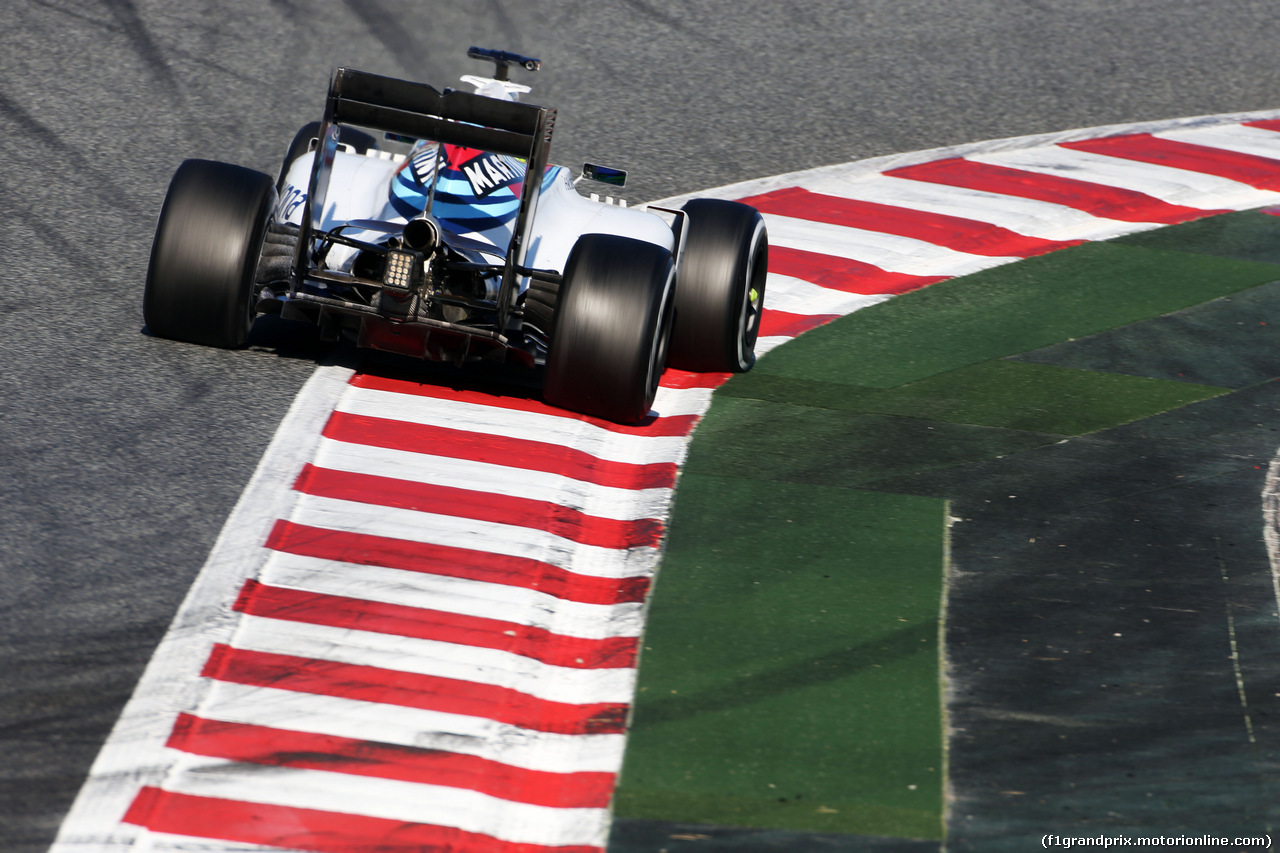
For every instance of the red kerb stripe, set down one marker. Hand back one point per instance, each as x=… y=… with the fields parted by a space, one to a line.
x=496 y=450
x=674 y=378
x=448 y=561
x=482 y=506
x=315 y=608
x=779 y=323
x=310 y=829
x=842 y=274
x=1264 y=124
x=308 y=751
x=1260 y=172
x=1095 y=199
x=653 y=426
x=412 y=690
x=953 y=232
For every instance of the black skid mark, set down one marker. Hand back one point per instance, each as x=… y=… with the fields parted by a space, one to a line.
x=126 y=14
x=385 y=26
x=49 y=139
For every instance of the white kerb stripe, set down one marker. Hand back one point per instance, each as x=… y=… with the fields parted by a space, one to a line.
x=794 y=296
x=390 y=799
x=357 y=719
x=489 y=479
x=886 y=251
x=1176 y=186
x=1232 y=137
x=682 y=401
x=530 y=426
x=506 y=603
x=764 y=345
x=474 y=664
x=488 y=536
x=1029 y=217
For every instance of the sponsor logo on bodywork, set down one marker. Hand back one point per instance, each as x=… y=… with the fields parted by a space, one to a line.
x=488 y=172
x=291 y=199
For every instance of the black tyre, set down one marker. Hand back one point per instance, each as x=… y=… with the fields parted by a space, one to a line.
x=612 y=326
x=720 y=294
x=200 y=284
x=308 y=134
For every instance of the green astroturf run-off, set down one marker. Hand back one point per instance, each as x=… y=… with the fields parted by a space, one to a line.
x=792 y=681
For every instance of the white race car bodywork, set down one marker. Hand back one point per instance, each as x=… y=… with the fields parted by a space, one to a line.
x=360 y=190
x=563 y=215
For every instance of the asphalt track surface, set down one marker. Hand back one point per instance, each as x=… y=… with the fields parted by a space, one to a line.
x=124 y=454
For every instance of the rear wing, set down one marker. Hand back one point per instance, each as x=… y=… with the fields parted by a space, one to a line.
x=456 y=118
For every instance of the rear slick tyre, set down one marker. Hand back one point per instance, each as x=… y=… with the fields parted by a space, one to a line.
x=612 y=327
x=201 y=280
x=720 y=292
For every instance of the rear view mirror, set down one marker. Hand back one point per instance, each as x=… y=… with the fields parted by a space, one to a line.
x=604 y=175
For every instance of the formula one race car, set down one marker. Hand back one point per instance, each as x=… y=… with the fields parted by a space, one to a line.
x=429 y=224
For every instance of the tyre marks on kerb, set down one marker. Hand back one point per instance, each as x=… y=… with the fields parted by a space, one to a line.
x=432 y=641
x=1097 y=200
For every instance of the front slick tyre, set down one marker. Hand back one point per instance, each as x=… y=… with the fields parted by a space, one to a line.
x=612 y=325
x=200 y=283
x=720 y=294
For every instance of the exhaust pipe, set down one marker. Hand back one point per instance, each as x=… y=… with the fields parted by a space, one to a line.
x=422 y=234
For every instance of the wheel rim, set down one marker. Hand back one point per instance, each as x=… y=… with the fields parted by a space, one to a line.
x=752 y=301
x=661 y=340
x=253 y=257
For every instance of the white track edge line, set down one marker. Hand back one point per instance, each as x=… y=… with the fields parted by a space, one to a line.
x=204 y=618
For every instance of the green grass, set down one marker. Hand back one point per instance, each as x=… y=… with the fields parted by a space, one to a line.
x=1010 y=395
x=775 y=441
x=796 y=650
